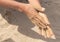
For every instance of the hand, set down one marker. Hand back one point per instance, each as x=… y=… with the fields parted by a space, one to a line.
x=29 y=9
x=40 y=20
x=45 y=28
x=46 y=32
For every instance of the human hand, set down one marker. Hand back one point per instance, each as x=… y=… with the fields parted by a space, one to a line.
x=45 y=28
x=47 y=31
x=40 y=20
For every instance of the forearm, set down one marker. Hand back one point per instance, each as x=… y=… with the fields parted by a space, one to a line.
x=11 y=4
x=17 y=5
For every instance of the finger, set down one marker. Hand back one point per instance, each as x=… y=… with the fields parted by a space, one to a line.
x=40 y=26
x=42 y=32
x=50 y=33
x=44 y=17
x=39 y=22
x=40 y=18
x=31 y=12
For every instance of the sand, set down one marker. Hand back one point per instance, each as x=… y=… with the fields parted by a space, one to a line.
x=16 y=27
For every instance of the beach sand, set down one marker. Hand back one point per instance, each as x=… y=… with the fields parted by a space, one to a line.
x=16 y=27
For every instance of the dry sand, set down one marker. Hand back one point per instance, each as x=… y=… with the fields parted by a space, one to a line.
x=16 y=27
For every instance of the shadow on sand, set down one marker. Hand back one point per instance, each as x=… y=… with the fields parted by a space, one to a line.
x=25 y=25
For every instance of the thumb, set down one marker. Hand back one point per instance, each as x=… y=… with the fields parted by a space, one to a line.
x=36 y=4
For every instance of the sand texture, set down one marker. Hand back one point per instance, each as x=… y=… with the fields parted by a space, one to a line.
x=16 y=27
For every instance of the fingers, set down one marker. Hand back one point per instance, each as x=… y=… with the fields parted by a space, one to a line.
x=40 y=25
x=45 y=30
x=50 y=33
x=44 y=17
x=47 y=33
x=44 y=33
x=39 y=20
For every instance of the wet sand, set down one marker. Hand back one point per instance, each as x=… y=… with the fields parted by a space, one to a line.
x=16 y=27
